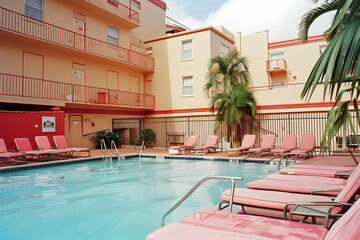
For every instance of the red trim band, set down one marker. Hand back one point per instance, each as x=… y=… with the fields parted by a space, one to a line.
x=294 y=42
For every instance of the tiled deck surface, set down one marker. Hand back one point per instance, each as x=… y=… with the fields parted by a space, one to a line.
x=334 y=160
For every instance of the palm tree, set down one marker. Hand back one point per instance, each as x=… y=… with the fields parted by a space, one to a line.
x=231 y=105
x=224 y=72
x=338 y=68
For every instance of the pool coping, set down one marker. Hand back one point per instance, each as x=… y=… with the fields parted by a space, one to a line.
x=10 y=169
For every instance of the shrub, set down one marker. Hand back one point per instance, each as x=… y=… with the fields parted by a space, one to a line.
x=148 y=135
x=108 y=137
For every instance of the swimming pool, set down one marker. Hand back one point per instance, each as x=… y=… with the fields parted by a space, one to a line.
x=109 y=200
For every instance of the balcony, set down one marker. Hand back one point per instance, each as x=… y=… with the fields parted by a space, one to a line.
x=20 y=86
x=23 y=25
x=119 y=10
x=276 y=66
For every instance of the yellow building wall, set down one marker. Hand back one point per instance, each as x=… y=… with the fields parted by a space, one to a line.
x=170 y=69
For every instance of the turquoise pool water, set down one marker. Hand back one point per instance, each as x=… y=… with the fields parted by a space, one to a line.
x=109 y=200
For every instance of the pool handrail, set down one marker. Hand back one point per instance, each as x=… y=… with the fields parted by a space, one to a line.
x=232 y=179
x=142 y=147
x=103 y=148
x=113 y=146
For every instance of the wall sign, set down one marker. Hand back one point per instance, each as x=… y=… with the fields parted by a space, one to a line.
x=48 y=124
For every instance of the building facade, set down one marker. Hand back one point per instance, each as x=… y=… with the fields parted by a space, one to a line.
x=120 y=66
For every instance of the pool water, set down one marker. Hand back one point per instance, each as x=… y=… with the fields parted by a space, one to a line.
x=122 y=200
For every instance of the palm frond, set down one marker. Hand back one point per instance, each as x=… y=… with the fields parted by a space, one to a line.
x=312 y=15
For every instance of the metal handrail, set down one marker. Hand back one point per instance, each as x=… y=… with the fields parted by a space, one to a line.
x=87 y=134
x=232 y=179
x=142 y=147
x=113 y=146
x=103 y=148
x=281 y=158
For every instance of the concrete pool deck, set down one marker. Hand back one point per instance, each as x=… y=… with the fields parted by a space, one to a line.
x=338 y=159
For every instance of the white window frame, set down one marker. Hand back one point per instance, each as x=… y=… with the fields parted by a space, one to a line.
x=184 y=51
x=224 y=47
x=187 y=86
x=275 y=56
x=112 y=37
x=136 y=5
x=42 y=10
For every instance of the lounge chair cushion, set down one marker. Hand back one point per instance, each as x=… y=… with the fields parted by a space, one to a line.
x=295 y=187
x=269 y=199
x=10 y=155
x=304 y=179
x=281 y=150
x=254 y=225
x=178 y=231
x=309 y=172
x=323 y=167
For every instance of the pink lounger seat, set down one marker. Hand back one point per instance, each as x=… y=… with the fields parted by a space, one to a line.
x=310 y=172
x=247 y=143
x=288 y=144
x=254 y=225
x=44 y=144
x=278 y=200
x=60 y=142
x=305 y=179
x=212 y=224
x=295 y=186
x=24 y=146
x=323 y=167
x=307 y=145
x=6 y=155
x=266 y=145
x=188 y=145
x=210 y=144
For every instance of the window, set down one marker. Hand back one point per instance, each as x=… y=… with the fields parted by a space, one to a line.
x=224 y=50
x=112 y=36
x=34 y=9
x=135 y=4
x=187 y=86
x=322 y=48
x=276 y=60
x=186 y=50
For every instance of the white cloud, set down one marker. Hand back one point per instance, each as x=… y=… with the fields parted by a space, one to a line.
x=280 y=17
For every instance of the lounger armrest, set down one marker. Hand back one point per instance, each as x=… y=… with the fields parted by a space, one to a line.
x=327 y=190
x=313 y=204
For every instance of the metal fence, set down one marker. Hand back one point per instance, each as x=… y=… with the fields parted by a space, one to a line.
x=303 y=123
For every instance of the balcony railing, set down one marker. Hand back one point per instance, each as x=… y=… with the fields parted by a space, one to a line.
x=20 y=86
x=117 y=9
x=21 y=24
x=278 y=65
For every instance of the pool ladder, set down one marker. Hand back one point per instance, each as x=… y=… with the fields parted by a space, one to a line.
x=232 y=179
x=104 y=149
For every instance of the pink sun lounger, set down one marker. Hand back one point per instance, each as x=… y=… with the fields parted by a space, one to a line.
x=24 y=146
x=6 y=155
x=306 y=179
x=211 y=224
x=307 y=145
x=44 y=144
x=61 y=143
x=188 y=145
x=278 y=200
x=296 y=187
x=247 y=143
x=315 y=187
x=210 y=144
x=288 y=144
x=332 y=173
x=266 y=145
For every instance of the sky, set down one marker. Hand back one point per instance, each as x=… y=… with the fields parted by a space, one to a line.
x=280 y=17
